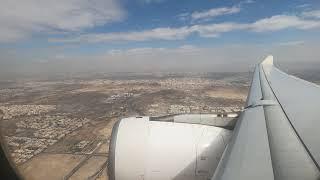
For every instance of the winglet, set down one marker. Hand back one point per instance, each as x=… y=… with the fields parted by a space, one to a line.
x=268 y=60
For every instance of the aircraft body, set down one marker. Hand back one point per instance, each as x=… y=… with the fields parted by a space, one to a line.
x=276 y=137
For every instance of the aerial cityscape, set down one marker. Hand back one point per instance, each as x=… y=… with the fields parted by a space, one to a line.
x=66 y=124
x=70 y=70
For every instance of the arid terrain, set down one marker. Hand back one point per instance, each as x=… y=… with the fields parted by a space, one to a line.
x=60 y=127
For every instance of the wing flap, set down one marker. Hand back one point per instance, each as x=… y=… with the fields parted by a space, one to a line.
x=249 y=143
x=247 y=155
x=275 y=137
x=300 y=101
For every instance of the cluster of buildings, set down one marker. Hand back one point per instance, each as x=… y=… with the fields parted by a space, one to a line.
x=36 y=129
x=185 y=83
x=178 y=109
x=229 y=109
x=23 y=148
x=185 y=109
x=117 y=97
x=43 y=130
x=82 y=144
x=52 y=127
x=161 y=109
x=22 y=110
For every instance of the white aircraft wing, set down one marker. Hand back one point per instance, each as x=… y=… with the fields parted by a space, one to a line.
x=275 y=138
x=277 y=135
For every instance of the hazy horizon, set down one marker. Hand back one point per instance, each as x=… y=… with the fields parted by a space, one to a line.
x=156 y=36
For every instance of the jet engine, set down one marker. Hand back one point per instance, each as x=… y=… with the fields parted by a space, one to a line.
x=143 y=149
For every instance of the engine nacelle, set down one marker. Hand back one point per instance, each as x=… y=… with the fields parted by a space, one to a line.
x=141 y=149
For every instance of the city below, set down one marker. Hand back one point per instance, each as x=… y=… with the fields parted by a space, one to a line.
x=60 y=127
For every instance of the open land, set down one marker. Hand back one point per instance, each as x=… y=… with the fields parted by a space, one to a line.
x=59 y=128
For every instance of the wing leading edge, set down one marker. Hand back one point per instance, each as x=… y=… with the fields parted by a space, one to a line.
x=276 y=136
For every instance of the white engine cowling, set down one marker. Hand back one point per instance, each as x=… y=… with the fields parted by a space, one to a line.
x=141 y=149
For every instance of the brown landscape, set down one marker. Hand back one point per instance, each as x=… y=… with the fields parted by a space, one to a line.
x=59 y=128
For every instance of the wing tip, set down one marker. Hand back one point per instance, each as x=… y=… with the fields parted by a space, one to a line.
x=268 y=60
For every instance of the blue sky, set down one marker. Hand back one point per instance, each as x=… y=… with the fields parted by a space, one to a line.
x=49 y=31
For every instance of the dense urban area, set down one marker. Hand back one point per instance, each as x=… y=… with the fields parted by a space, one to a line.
x=60 y=127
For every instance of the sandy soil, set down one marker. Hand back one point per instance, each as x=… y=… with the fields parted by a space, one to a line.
x=92 y=166
x=227 y=93
x=59 y=165
x=103 y=176
x=104 y=148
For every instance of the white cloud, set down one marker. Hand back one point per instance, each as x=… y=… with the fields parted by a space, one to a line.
x=139 y=51
x=274 y=23
x=280 y=22
x=19 y=19
x=153 y=34
x=247 y=2
x=214 y=30
x=202 y=16
x=214 y=12
x=147 y=35
x=291 y=43
x=147 y=50
x=211 y=30
x=302 y=6
x=153 y=1
x=312 y=14
x=183 y=16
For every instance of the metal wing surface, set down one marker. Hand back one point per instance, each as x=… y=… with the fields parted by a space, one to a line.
x=277 y=135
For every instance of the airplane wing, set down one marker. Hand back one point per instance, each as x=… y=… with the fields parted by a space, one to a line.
x=277 y=135
x=275 y=138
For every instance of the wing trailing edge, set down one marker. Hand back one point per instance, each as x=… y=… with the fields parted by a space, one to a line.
x=274 y=137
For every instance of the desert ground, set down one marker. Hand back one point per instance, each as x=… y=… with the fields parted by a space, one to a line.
x=60 y=128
